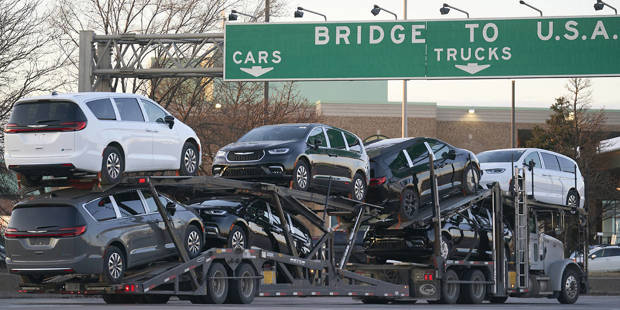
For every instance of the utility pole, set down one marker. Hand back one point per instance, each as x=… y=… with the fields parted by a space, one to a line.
x=266 y=84
x=403 y=107
x=513 y=127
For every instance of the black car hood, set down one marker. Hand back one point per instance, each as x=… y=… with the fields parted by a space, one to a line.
x=256 y=145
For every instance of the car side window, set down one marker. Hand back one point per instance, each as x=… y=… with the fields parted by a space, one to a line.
x=102 y=108
x=151 y=206
x=612 y=252
x=418 y=153
x=153 y=112
x=533 y=157
x=129 y=203
x=438 y=148
x=101 y=209
x=354 y=143
x=400 y=162
x=599 y=253
x=317 y=135
x=566 y=165
x=129 y=109
x=551 y=162
x=335 y=139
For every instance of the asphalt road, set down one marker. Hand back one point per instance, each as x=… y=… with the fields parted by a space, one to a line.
x=340 y=303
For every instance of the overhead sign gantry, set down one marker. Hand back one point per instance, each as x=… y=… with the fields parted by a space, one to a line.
x=424 y=49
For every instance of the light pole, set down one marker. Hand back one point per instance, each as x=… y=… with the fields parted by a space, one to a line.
x=445 y=9
x=531 y=7
x=599 y=5
x=234 y=15
x=299 y=13
x=377 y=9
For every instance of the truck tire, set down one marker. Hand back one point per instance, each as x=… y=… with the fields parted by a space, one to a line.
x=450 y=291
x=243 y=290
x=375 y=300
x=217 y=289
x=569 y=292
x=473 y=293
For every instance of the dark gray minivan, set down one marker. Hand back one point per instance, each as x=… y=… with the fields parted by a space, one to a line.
x=77 y=232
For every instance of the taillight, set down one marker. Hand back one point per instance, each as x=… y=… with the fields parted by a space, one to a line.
x=377 y=181
x=73 y=126
x=8 y=129
x=63 y=232
x=66 y=126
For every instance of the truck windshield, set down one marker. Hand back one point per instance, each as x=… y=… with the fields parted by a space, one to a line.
x=500 y=156
x=275 y=133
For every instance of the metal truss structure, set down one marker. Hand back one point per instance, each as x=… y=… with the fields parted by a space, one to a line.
x=104 y=58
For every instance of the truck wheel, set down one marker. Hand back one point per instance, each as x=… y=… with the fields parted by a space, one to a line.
x=473 y=293
x=243 y=290
x=570 y=287
x=217 y=286
x=155 y=299
x=450 y=291
x=374 y=300
x=409 y=204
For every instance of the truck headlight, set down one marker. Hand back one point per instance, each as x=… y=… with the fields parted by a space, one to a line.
x=279 y=151
x=495 y=171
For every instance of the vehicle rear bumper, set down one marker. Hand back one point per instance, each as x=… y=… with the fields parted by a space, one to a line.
x=55 y=165
x=57 y=170
x=83 y=264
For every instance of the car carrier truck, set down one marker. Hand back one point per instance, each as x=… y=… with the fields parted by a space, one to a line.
x=534 y=267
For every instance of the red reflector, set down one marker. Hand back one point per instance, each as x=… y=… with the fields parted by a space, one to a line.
x=377 y=181
x=130 y=288
x=67 y=165
x=142 y=180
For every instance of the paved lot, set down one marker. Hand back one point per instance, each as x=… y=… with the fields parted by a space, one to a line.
x=585 y=302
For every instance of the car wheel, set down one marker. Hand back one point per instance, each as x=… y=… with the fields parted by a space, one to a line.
x=473 y=293
x=114 y=265
x=301 y=176
x=237 y=238
x=189 y=159
x=449 y=291
x=572 y=199
x=471 y=179
x=570 y=287
x=193 y=241
x=409 y=204
x=243 y=290
x=217 y=286
x=112 y=166
x=358 y=190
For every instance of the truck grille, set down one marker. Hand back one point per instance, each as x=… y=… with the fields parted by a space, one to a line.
x=245 y=155
x=243 y=172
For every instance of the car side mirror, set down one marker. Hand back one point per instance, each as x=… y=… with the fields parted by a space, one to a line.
x=530 y=165
x=593 y=256
x=451 y=154
x=171 y=207
x=169 y=119
x=316 y=143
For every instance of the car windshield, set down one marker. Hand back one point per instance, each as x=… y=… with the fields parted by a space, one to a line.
x=278 y=133
x=500 y=156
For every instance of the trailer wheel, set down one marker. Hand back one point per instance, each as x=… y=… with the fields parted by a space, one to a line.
x=217 y=286
x=155 y=299
x=243 y=290
x=570 y=287
x=498 y=300
x=375 y=300
x=450 y=291
x=473 y=293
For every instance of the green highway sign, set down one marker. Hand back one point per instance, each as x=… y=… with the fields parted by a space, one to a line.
x=433 y=49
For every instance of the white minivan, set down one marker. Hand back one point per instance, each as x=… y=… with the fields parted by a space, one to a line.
x=70 y=135
x=557 y=178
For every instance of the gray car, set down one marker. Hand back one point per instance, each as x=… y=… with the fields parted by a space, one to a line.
x=77 y=232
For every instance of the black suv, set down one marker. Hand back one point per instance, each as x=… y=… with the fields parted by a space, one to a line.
x=302 y=155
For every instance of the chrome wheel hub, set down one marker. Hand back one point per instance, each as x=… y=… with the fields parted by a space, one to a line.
x=189 y=160
x=572 y=200
x=571 y=286
x=219 y=283
x=247 y=284
x=359 y=189
x=113 y=165
x=193 y=242
x=301 y=176
x=115 y=265
x=237 y=240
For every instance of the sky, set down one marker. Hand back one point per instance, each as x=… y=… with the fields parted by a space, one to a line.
x=529 y=92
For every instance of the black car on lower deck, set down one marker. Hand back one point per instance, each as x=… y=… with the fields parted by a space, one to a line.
x=306 y=156
x=464 y=236
x=249 y=221
x=400 y=173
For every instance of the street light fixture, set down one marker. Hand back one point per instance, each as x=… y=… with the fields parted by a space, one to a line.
x=445 y=9
x=599 y=5
x=377 y=9
x=234 y=15
x=532 y=7
x=299 y=13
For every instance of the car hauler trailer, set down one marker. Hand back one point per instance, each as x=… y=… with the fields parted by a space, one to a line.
x=237 y=276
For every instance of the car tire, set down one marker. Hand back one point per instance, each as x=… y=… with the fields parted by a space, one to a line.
x=114 y=264
x=189 y=160
x=243 y=290
x=409 y=204
x=471 y=179
x=193 y=241
x=301 y=176
x=569 y=292
x=572 y=199
x=217 y=289
x=238 y=238
x=358 y=187
x=473 y=293
x=449 y=291
x=112 y=165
